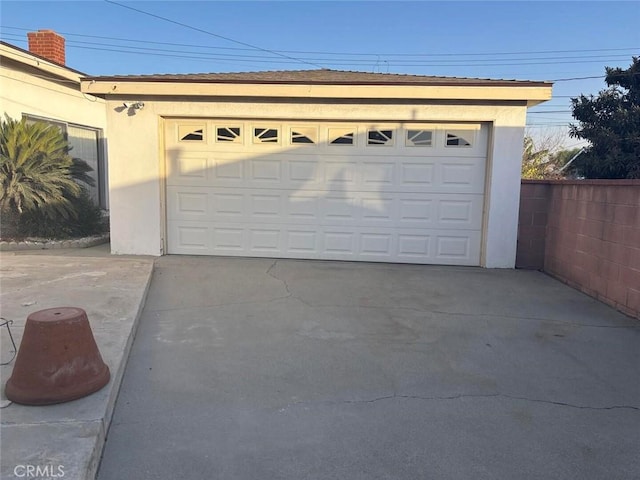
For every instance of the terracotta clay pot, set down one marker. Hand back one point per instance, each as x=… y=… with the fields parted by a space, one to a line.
x=58 y=359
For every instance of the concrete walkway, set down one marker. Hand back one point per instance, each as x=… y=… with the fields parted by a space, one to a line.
x=66 y=440
x=261 y=369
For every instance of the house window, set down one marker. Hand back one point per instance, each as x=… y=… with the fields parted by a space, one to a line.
x=305 y=135
x=87 y=144
x=265 y=135
x=460 y=138
x=419 y=138
x=380 y=137
x=191 y=133
x=341 y=136
x=228 y=134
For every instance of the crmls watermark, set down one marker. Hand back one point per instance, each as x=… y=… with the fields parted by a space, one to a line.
x=39 y=471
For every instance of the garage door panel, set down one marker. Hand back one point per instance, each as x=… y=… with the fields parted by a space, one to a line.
x=414 y=247
x=229 y=239
x=226 y=172
x=265 y=239
x=377 y=244
x=266 y=205
x=301 y=242
x=194 y=237
x=378 y=174
x=397 y=201
x=417 y=174
x=304 y=172
x=339 y=174
x=328 y=243
x=453 y=247
x=303 y=208
x=461 y=177
x=226 y=204
x=378 y=210
x=450 y=175
x=460 y=212
x=189 y=169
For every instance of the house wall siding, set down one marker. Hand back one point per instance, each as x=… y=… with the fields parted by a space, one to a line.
x=591 y=237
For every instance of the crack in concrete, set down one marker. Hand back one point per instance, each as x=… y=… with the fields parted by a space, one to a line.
x=386 y=307
x=272 y=275
x=285 y=284
x=269 y=272
x=462 y=314
x=538 y=319
x=488 y=395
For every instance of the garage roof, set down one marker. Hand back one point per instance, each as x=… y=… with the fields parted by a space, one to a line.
x=320 y=84
x=319 y=77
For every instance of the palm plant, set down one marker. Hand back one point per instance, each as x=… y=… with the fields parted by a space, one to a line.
x=36 y=171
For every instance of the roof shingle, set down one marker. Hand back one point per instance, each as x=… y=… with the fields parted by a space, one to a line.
x=320 y=77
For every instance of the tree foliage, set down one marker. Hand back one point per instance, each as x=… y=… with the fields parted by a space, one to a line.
x=544 y=157
x=611 y=123
x=535 y=161
x=38 y=177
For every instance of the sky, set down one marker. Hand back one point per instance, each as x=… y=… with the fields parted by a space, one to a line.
x=556 y=41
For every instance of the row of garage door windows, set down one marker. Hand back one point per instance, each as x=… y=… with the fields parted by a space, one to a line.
x=337 y=136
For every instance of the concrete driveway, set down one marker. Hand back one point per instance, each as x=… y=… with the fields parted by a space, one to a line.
x=260 y=369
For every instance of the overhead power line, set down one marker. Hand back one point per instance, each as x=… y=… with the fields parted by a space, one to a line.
x=464 y=62
x=310 y=61
x=631 y=50
x=206 y=32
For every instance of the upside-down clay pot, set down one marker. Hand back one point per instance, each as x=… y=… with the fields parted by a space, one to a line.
x=58 y=359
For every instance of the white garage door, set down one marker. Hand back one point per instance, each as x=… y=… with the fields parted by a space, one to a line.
x=389 y=192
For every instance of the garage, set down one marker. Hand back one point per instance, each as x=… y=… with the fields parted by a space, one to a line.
x=374 y=191
x=316 y=164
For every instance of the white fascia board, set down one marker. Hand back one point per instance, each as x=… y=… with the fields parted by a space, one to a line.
x=530 y=94
x=36 y=62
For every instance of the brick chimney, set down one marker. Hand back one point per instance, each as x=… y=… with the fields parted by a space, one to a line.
x=47 y=44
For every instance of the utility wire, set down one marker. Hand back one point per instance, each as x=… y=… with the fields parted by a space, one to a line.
x=212 y=34
x=287 y=61
x=324 y=52
x=338 y=61
x=198 y=58
x=600 y=58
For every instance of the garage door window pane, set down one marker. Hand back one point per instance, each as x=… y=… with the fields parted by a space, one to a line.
x=265 y=135
x=304 y=135
x=341 y=136
x=380 y=137
x=419 y=138
x=191 y=133
x=228 y=134
x=460 y=138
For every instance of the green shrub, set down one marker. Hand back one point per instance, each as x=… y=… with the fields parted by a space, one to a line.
x=87 y=222
x=39 y=193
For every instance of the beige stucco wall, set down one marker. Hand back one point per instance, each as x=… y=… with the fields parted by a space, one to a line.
x=22 y=93
x=137 y=161
x=28 y=91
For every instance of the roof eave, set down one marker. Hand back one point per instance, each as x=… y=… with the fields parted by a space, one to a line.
x=429 y=82
x=532 y=93
x=40 y=63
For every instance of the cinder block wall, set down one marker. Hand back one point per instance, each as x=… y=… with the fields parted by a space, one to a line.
x=532 y=224
x=592 y=236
